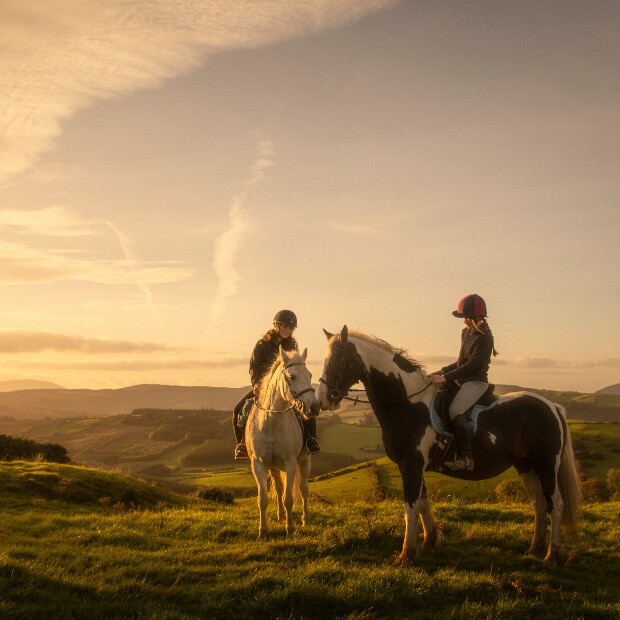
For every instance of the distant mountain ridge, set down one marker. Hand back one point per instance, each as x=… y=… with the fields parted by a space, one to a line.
x=29 y=404
x=28 y=384
x=68 y=403
x=610 y=389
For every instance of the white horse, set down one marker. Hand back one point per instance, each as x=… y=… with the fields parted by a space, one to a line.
x=275 y=439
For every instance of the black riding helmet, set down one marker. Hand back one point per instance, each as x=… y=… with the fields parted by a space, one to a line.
x=287 y=317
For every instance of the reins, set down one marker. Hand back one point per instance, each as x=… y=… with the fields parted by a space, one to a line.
x=357 y=399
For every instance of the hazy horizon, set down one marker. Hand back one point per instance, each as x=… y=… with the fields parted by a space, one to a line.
x=173 y=173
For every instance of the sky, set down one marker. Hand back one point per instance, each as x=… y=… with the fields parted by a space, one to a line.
x=174 y=172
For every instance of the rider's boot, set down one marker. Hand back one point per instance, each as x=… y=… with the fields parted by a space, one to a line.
x=465 y=460
x=312 y=443
x=241 y=451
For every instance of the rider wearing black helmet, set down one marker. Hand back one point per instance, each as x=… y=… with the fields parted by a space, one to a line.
x=263 y=356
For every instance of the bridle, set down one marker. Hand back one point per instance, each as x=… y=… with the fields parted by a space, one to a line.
x=296 y=404
x=336 y=394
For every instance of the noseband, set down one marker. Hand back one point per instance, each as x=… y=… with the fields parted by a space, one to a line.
x=294 y=405
x=335 y=393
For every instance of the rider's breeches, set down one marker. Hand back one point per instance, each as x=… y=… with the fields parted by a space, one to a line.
x=466 y=397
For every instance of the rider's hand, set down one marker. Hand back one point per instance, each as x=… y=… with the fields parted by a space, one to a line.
x=437 y=378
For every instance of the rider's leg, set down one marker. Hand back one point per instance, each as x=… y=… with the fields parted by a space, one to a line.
x=312 y=444
x=465 y=398
x=240 y=449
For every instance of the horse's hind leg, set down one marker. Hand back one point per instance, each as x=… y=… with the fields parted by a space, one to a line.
x=537 y=499
x=432 y=535
x=304 y=473
x=555 y=505
x=276 y=476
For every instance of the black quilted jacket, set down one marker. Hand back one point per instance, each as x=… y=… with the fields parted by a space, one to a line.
x=265 y=353
x=474 y=358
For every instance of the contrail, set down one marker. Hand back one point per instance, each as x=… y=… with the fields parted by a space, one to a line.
x=132 y=261
x=227 y=244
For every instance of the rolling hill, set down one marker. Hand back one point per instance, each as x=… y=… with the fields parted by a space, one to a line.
x=65 y=403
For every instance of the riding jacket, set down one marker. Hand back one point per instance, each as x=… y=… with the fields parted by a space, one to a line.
x=474 y=357
x=265 y=354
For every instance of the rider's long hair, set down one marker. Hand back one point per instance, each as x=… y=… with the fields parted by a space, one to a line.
x=288 y=344
x=480 y=325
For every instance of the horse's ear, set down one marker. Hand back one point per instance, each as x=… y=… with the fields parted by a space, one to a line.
x=283 y=355
x=304 y=355
x=327 y=334
x=344 y=335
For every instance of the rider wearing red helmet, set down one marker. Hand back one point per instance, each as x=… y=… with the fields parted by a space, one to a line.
x=263 y=356
x=469 y=373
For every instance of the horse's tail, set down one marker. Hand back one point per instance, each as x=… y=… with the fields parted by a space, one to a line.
x=568 y=480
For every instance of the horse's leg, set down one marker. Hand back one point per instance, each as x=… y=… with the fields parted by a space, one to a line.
x=547 y=475
x=533 y=487
x=432 y=536
x=260 y=474
x=304 y=473
x=411 y=473
x=276 y=476
x=289 y=500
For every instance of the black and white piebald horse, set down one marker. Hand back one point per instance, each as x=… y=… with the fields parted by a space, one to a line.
x=523 y=430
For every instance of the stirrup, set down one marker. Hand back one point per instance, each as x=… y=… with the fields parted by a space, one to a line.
x=312 y=445
x=463 y=463
x=241 y=452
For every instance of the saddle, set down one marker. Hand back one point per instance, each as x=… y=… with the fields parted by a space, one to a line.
x=441 y=420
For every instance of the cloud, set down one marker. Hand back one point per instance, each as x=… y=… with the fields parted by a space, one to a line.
x=60 y=56
x=17 y=341
x=135 y=364
x=227 y=244
x=558 y=364
x=51 y=221
x=26 y=265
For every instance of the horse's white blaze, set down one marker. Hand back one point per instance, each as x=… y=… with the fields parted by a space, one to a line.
x=492 y=438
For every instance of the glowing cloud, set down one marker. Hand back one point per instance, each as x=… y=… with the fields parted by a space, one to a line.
x=227 y=244
x=60 y=56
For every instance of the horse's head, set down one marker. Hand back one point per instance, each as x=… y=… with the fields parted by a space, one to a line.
x=295 y=383
x=339 y=370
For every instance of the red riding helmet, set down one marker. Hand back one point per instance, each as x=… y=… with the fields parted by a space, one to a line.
x=470 y=307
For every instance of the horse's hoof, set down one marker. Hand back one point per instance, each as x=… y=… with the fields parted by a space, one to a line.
x=536 y=549
x=554 y=556
x=431 y=543
x=406 y=559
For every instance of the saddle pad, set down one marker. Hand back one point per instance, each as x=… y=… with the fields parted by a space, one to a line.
x=243 y=416
x=472 y=419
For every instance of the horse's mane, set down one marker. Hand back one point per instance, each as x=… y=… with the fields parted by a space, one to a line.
x=266 y=380
x=386 y=346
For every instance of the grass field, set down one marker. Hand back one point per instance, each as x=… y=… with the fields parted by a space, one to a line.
x=184 y=559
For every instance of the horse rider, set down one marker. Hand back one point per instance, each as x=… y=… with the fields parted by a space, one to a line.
x=264 y=355
x=469 y=373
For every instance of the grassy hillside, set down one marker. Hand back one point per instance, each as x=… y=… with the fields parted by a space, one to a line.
x=202 y=560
